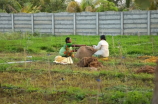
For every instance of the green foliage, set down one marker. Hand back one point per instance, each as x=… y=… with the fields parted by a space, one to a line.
x=3 y=67
x=138 y=97
x=2 y=11
x=48 y=43
x=73 y=7
x=32 y=6
x=128 y=95
x=53 y=6
x=86 y=3
x=89 y=9
x=143 y=5
x=78 y=93
x=154 y=5
x=106 y=6
x=128 y=3
x=115 y=2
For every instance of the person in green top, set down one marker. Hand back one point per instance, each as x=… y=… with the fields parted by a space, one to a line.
x=66 y=50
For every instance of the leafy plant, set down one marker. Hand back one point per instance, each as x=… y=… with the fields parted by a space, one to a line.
x=106 y=6
x=73 y=7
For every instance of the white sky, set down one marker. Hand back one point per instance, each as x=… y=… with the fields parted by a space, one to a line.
x=78 y=1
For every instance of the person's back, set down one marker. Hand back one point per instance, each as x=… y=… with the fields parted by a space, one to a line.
x=104 y=48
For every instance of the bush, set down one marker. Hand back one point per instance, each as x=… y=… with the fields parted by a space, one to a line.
x=106 y=6
x=73 y=7
x=89 y=9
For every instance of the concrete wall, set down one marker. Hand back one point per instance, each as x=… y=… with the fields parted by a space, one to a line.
x=84 y=23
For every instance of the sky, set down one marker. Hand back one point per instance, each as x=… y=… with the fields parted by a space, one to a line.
x=78 y=1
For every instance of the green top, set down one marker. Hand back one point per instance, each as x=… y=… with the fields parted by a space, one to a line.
x=68 y=45
x=66 y=50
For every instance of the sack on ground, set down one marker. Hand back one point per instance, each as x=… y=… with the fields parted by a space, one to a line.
x=85 y=51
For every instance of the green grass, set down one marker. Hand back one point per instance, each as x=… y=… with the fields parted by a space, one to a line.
x=35 y=44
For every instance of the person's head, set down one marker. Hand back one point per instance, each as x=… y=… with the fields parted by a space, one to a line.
x=102 y=37
x=68 y=40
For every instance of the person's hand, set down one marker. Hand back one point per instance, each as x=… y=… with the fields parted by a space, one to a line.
x=93 y=46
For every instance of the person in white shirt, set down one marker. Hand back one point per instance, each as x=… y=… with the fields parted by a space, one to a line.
x=102 y=47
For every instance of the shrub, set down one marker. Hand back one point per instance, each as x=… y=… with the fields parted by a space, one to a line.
x=106 y=6
x=73 y=7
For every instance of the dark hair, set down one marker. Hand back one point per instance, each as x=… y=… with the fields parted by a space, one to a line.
x=67 y=39
x=102 y=37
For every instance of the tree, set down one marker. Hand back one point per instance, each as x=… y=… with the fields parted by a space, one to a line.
x=143 y=5
x=73 y=7
x=128 y=3
x=116 y=2
x=4 y=5
x=36 y=5
x=106 y=6
x=89 y=9
x=53 y=5
x=86 y=3
x=2 y=11
x=154 y=5
x=89 y=5
x=25 y=8
x=13 y=6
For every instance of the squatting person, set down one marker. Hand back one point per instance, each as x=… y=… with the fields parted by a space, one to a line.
x=102 y=47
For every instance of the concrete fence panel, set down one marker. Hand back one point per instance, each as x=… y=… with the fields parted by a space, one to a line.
x=154 y=22
x=42 y=23
x=110 y=23
x=136 y=22
x=63 y=23
x=5 y=22
x=84 y=23
x=22 y=22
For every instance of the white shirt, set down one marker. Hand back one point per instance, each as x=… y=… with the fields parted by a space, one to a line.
x=103 y=48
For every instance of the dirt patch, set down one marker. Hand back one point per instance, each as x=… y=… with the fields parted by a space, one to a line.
x=89 y=62
x=85 y=51
x=146 y=69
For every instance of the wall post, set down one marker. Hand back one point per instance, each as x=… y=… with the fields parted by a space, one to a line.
x=148 y=23
x=74 y=20
x=97 y=23
x=12 y=16
x=53 y=27
x=122 y=22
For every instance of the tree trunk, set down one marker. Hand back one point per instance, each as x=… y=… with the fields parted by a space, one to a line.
x=128 y=3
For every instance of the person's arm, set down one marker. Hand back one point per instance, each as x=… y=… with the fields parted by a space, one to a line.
x=98 y=46
x=77 y=45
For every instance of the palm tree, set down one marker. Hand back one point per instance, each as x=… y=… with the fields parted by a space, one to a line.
x=26 y=8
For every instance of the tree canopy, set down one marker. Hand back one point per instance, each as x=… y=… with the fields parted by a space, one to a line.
x=35 y=6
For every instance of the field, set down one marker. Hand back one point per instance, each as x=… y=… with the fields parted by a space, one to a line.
x=41 y=81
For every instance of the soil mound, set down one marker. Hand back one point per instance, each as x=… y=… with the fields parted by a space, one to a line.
x=85 y=51
x=89 y=62
x=146 y=69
